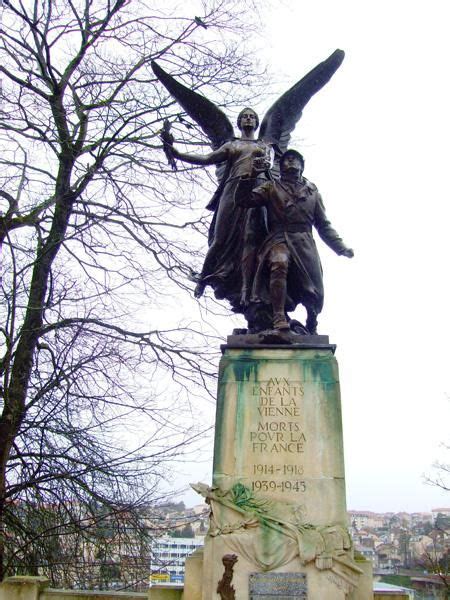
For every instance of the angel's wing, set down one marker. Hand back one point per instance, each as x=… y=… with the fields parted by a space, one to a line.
x=214 y=123
x=282 y=117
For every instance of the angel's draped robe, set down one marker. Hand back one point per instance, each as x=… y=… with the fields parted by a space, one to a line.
x=227 y=237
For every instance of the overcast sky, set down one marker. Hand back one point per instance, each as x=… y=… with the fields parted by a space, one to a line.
x=375 y=140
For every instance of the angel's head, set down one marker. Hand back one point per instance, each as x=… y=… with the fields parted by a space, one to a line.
x=247 y=117
x=291 y=159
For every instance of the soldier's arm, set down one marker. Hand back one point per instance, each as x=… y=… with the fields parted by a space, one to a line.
x=329 y=235
x=249 y=195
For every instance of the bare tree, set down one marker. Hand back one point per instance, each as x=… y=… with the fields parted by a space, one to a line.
x=435 y=556
x=435 y=559
x=92 y=228
x=441 y=473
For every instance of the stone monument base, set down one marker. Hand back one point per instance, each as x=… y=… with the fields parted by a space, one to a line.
x=325 y=583
x=292 y=581
x=278 y=524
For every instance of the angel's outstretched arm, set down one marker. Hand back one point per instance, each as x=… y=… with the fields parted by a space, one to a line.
x=217 y=156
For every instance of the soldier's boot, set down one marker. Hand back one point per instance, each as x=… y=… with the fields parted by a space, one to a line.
x=311 y=321
x=278 y=279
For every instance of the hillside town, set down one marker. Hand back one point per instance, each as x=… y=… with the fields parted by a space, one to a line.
x=410 y=549
x=407 y=548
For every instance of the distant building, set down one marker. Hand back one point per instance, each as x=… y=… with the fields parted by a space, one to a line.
x=364 y=519
x=388 y=558
x=440 y=511
x=419 y=545
x=432 y=586
x=392 y=590
x=421 y=517
x=200 y=509
x=168 y=555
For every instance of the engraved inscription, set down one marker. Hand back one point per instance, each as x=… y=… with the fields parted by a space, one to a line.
x=278 y=435
x=262 y=469
x=283 y=486
x=278 y=586
x=279 y=399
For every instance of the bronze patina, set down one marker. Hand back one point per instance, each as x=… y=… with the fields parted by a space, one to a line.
x=288 y=270
x=241 y=264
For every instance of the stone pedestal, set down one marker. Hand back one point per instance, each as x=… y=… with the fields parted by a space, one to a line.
x=278 y=494
x=22 y=587
x=193 y=577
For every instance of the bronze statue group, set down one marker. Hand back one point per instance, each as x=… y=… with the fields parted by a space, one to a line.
x=262 y=256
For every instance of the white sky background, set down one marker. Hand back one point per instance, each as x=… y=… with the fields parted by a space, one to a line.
x=375 y=142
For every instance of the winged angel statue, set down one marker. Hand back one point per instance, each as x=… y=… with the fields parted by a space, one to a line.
x=235 y=233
